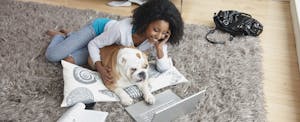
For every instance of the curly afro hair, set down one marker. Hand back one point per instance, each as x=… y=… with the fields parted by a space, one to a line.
x=159 y=10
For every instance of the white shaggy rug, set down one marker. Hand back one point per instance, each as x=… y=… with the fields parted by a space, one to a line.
x=32 y=88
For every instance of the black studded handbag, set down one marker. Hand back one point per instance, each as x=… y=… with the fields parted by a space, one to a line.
x=236 y=24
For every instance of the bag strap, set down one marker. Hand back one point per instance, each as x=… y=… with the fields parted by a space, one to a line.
x=214 y=42
x=245 y=14
x=181 y=2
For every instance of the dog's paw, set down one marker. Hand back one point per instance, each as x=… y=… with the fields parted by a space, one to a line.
x=149 y=99
x=127 y=101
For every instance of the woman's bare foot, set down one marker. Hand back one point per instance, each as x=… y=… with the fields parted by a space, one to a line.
x=70 y=59
x=53 y=33
x=64 y=31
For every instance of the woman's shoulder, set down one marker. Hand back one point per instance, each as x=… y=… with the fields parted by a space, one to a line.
x=120 y=25
x=125 y=23
x=124 y=26
x=126 y=20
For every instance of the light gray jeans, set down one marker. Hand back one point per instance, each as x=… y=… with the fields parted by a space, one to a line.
x=74 y=44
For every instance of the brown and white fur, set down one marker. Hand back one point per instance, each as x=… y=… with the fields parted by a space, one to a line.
x=129 y=67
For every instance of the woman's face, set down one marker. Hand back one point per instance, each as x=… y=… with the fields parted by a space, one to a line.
x=157 y=31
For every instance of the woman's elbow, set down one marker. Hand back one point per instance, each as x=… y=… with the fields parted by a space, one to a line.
x=164 y=64
x=90 y=44
x=163 y=68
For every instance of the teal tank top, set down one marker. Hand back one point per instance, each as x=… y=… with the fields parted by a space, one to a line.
x=99 y=25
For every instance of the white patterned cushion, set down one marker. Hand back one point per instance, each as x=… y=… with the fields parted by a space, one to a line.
x=84 y=85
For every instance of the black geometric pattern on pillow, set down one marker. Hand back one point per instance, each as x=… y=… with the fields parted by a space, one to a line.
x=133 y=91
x=109 y=93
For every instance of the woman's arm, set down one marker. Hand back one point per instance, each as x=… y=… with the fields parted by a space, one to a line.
x=163 y=63
x=106 y=38
x=160 y=52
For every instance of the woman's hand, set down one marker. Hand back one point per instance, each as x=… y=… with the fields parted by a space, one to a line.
x=159 y=45
x=161 y=42
x=104 y=72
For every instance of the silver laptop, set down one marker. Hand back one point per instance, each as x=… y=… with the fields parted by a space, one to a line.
x=167 y=107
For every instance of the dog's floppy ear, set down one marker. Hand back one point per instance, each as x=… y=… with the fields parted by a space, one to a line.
x=122 y=60
x=145 y=56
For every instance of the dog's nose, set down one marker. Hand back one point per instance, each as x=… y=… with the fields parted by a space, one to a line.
x=142 y=75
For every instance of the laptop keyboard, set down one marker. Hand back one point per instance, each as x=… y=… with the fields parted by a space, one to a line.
x=148 y=116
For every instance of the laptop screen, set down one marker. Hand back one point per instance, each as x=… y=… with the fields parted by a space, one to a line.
x=180 y=108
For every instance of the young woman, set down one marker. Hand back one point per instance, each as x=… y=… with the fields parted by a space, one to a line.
x=152 y=26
